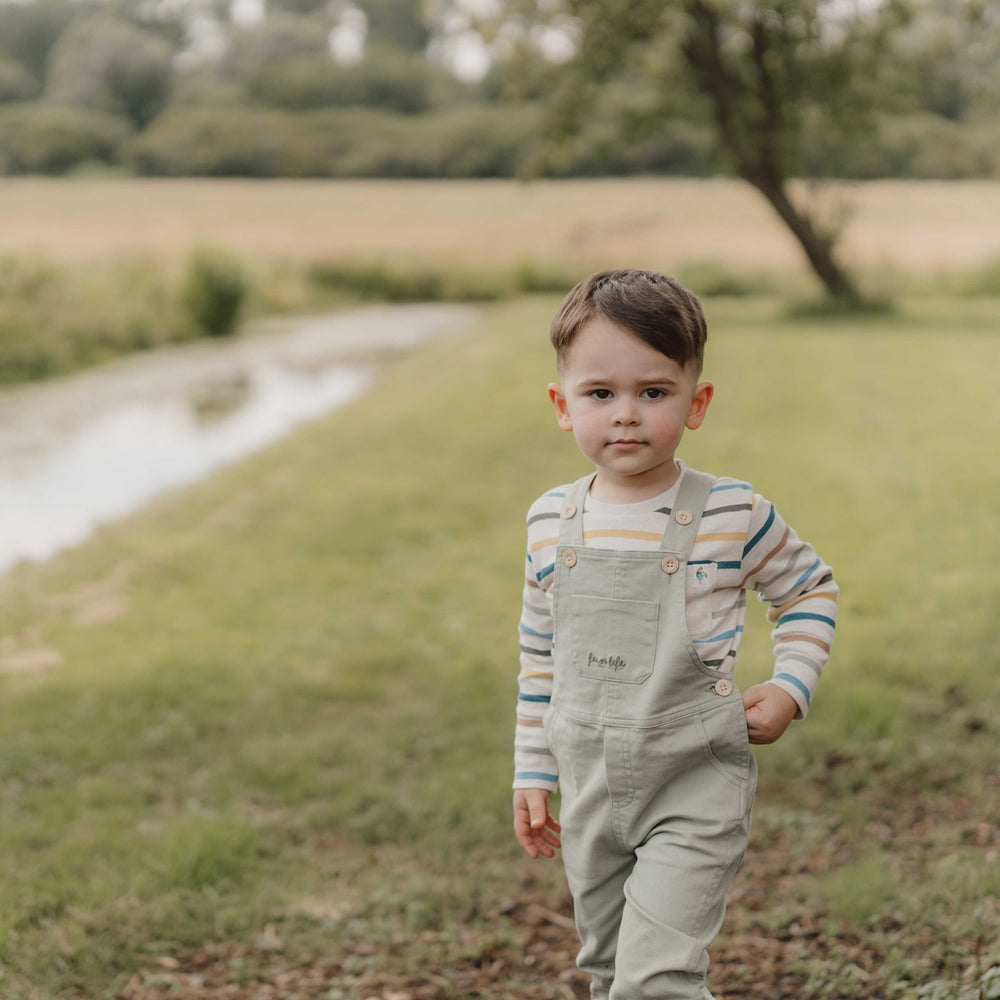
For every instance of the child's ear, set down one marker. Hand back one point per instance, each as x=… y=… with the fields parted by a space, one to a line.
x=559 y=405
x=703 y=394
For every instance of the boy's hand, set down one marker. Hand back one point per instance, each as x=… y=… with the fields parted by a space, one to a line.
x=534 y=825
x=769 y=712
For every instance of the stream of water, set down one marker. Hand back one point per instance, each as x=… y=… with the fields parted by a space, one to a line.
x=84 y=450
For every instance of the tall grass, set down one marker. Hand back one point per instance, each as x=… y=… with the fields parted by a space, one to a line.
x=293 y=246
x=56 y=318
x=301 y=686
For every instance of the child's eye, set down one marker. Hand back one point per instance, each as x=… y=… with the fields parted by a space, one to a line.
x=653 y=393
x=601 y=393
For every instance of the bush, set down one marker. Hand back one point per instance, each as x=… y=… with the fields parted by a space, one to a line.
x=55 y=318
x=464 y=142
x=678 y=148
x=402 y=283
x=393 y=82
x=42 y=138
x=342 y=142
x=214 y=292
x=918 y=146
x=387 y=283
x=364 y=142
x=221 y=142
x=478 y=141
x=927 y=147
x=16 y=83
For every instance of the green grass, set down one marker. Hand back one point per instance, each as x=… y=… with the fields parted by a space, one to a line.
x=56 y=318
x=304 y=685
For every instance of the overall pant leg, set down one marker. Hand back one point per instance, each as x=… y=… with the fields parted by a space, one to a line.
x=649 y=864
x=596 y=864
x=691 y=839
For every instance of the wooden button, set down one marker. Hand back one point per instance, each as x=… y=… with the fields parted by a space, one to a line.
x=569 y=511
x=670 y=564
x=724 y=688
x=569 y=558
x=684 y=517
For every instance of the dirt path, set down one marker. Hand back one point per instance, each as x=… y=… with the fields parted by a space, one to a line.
x=748 y=964
x=524 y=948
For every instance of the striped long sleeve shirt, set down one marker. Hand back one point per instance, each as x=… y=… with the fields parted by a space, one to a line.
x=742 y=544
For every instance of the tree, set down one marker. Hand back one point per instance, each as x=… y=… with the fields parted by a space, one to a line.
x=398 y=24
x=769 y=75
x=278 y=38
x=16 y=83
x=948 y=58
x=106 y=64
x=28 y=33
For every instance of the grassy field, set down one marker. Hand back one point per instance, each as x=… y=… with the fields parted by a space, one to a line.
x=96 y=267
x=257 y=737
x=921 y=228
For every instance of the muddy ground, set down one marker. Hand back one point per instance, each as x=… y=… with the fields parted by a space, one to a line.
x=778 y=942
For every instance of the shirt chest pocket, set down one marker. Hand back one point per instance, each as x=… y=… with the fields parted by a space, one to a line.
x=614 y=640
x=699 y=605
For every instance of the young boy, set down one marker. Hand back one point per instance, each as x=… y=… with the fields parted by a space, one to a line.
x=634 y=602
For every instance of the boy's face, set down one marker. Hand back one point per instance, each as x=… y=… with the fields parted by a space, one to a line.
x=627 y=406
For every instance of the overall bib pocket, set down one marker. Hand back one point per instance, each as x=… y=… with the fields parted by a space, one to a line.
x=614 y=640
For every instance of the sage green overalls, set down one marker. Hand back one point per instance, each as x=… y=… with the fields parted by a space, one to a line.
x=655 y=768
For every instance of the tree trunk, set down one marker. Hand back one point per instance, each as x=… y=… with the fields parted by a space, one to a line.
x=817 y=247
x=752 y=126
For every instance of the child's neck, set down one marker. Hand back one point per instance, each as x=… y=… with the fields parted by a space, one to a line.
x=632 y=489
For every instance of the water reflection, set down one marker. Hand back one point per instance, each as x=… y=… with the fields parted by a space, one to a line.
x=85 y=450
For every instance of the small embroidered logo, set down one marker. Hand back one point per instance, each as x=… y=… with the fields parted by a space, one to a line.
x=606 y=662
x=700 y=575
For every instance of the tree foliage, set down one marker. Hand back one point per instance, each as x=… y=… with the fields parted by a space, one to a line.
x=773 y=78
x=397 y=24
x=36 y=137
x=947 y=59
x=16 y=83
x=106 y=64
x=384 y=79
x=278 y=40
x=338 y=142
x=28 y=32
x=764 y=90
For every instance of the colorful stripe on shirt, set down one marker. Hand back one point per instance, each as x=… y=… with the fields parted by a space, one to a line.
x=751 y=548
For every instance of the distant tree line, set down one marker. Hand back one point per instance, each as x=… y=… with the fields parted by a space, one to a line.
x=370 y=89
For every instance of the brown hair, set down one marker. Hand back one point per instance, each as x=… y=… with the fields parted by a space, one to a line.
x=656 y=308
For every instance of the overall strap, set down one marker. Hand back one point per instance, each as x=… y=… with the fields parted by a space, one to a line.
x=682 y=526
x=570 y=519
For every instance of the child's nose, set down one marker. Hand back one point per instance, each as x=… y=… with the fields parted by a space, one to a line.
x=627 y=412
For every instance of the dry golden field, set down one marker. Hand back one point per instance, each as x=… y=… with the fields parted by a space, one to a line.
x=918 y=227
